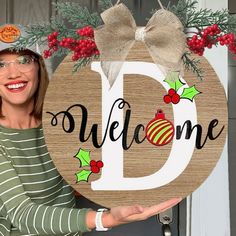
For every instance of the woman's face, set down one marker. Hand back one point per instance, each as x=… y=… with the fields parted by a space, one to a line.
x=18 y=78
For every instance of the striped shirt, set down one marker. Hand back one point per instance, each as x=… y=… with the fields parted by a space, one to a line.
x=34 y=198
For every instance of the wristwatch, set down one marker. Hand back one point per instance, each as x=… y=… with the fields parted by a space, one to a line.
x=98 y=220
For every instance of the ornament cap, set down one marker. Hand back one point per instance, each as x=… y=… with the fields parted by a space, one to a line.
x=160 y=114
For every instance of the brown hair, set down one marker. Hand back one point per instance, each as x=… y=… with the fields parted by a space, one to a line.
x=41 y=90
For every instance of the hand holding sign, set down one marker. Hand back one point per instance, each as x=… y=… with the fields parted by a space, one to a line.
x=127 y=214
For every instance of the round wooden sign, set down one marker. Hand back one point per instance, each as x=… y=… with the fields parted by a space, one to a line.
x=148 y=138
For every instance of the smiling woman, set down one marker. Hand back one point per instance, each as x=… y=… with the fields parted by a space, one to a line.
x=19 y=82
x=34 y=198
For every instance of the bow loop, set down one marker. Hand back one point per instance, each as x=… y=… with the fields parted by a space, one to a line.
x=166 y=18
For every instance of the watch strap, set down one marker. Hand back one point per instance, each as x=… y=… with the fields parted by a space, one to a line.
x=98 y=220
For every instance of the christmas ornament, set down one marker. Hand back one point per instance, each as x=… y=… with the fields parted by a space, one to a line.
x=160 y=131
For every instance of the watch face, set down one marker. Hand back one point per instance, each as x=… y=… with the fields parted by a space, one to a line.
x=147 y=138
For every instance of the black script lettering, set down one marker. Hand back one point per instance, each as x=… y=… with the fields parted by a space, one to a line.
x=189 y=131
x=68 y=125
x=136 y=134
x=114 y=125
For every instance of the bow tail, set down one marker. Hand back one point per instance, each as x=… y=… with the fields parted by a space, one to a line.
x=111 y=69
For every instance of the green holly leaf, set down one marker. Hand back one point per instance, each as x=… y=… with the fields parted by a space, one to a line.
x=83 y=156
x=174 y=81
x=190 y=93
x=83 y=175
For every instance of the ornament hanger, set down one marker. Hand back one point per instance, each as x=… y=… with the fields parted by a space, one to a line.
x=159 y=1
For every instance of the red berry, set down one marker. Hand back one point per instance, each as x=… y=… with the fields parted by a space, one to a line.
x=93 y=163
x=55 y=34
x=95 y=169
x=171 y=92
x=167 y=99
x=175 y=98
x=50 y=37
x=222 y=43
x=99 y=164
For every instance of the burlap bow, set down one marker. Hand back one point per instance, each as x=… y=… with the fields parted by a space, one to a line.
x=163 y=37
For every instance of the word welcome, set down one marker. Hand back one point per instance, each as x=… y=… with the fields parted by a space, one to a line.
x=68 y=125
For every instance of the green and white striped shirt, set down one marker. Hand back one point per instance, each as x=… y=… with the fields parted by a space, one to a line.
x=34 y=198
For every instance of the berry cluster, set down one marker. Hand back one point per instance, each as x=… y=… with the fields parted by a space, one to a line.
x=95 y=166
x=87 y=31
x=84 y=47
x=52 y=44
x=205 y=39
x=172 y=96
x=210 y=36
x=229 y=41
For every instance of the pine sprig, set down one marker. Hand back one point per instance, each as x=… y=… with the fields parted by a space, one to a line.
x=206 y=17
x=58 y=24
x=182 y=8
x=83 y=62
x=35 y=34
x=186 y=11
x=105 y=4
x=77 y=15
x=192 y=64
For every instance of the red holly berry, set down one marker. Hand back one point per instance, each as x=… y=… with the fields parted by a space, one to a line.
x=55 y=34
x=95 y=169
x=99 y=164
x=175 y=98
x=93 y=163
x=50 y=37
x=171 y=92
x=86 y=31
x=210 y=36
x=167 y=99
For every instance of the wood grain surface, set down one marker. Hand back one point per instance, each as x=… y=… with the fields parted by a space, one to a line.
x=145 y=96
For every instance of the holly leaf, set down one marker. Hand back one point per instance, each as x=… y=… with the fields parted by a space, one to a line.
x=83 y=156
x=83 y=175
x=174 y=81
x=190 y=93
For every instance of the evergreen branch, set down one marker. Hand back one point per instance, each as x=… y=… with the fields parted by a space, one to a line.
x=61 y=52
x=81 y=63
x=105 y=4
x=182 y=8
x=57 y=24
x=192 y=65
x=35 y=34
x=186 y=11
x=77 y=15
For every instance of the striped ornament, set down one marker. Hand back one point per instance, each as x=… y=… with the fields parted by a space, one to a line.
x=159 y=131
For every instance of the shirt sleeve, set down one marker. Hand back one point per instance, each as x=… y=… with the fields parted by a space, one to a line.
x=32 y=218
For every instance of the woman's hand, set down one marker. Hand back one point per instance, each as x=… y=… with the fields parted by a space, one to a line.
x=127 y=214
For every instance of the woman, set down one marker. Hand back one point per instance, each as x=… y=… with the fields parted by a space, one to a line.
x=34 y=198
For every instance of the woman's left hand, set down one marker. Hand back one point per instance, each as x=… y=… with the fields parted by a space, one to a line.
x=127 y=214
